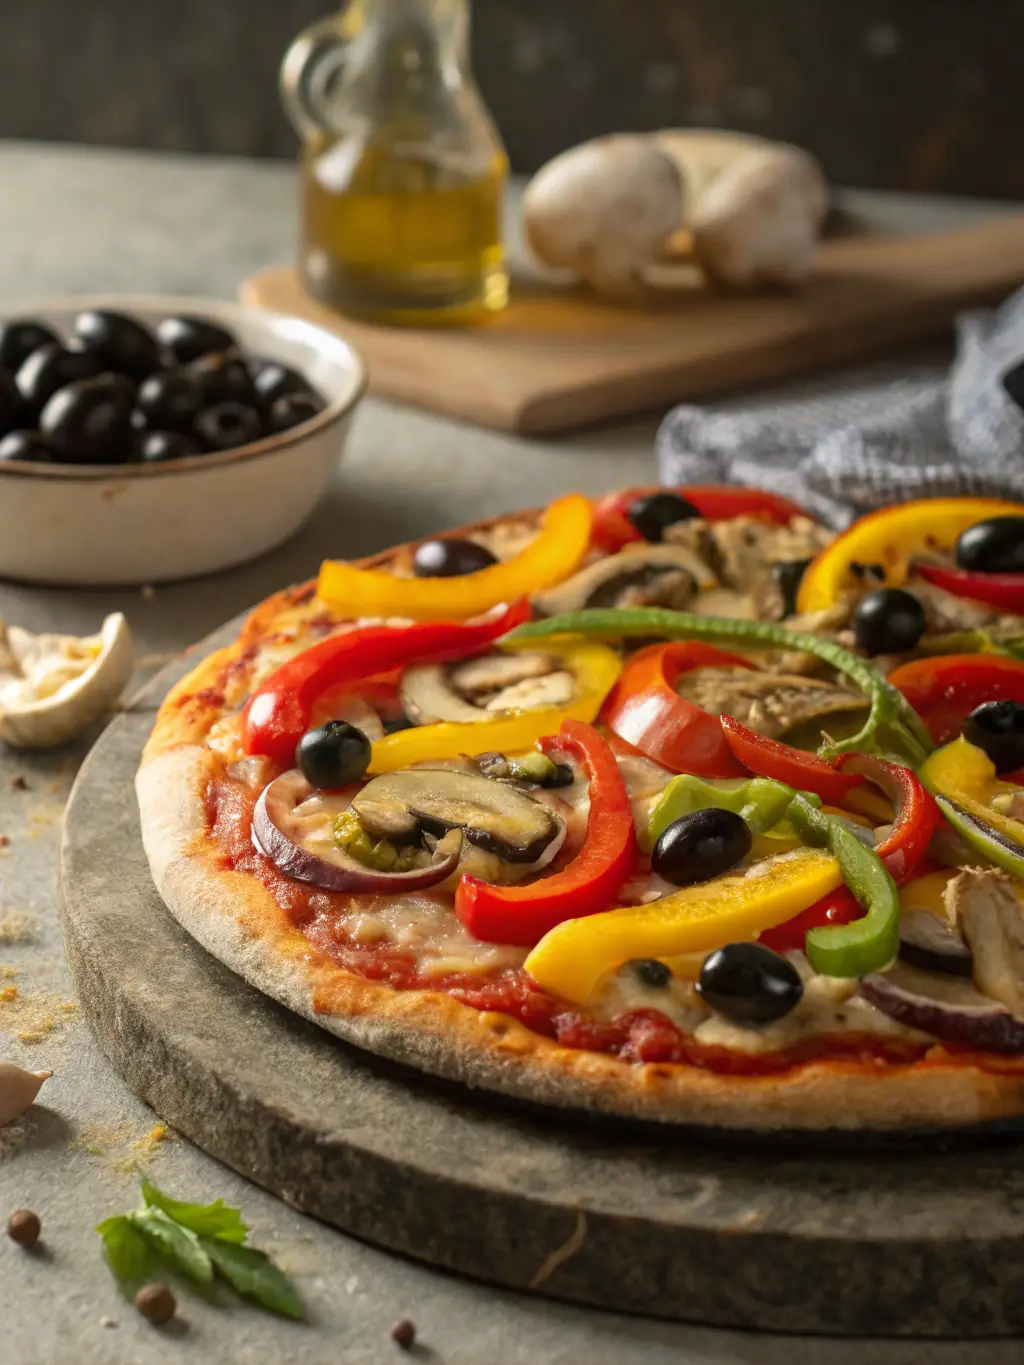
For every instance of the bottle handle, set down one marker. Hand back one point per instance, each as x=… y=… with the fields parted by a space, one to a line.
x=307 y=74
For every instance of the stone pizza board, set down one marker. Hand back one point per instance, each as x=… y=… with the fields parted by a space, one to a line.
x=857 y=1238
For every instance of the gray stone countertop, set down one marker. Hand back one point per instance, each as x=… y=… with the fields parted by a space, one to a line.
x=83 y=221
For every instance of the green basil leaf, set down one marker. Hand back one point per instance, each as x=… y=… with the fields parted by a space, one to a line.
x=253 y=1274
x=127 y=1251
x=207 y=1220
x=178 y=1244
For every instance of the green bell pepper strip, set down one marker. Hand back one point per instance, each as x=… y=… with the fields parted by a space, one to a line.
x=760 y=801
x=867 y=944
x=892 y=728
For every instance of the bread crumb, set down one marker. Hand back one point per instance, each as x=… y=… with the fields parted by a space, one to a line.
x=120 y=1146
x=8 y=994
x=32 y=1018
x=19 y=782
x=5 y=841
x=17 y=927
x=148 y=591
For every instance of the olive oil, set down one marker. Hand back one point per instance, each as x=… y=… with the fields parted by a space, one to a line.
x=398 y=240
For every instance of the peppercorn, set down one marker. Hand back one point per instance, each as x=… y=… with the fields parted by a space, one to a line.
x=404 y=1333
x=156 y=1302
x=24 y=1227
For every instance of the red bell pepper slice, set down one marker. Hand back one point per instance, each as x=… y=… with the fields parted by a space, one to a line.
x=278 y=713
x=945 y=689
x=770 y=758
x=612 y=528
x=915 y=819
x=1005 y=591
x=589 y=883
x=645 y=710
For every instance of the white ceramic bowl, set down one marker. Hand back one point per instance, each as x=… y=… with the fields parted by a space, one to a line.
x=135 y=523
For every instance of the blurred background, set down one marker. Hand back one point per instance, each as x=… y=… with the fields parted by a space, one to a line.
x=897 y=94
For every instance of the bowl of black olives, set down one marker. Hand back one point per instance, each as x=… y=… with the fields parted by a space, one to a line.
x=144 y=439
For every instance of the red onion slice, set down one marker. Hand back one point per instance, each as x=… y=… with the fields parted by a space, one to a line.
x=276 y=835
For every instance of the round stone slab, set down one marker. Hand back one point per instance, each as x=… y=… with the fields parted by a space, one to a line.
x=854 y=1239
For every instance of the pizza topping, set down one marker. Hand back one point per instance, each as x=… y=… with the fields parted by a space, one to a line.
x=294 y=828
x=651 y=513
x=450 y=557
x=963 y=780
x=1002 y=591
x=279 y=712
x=641 y=575
x=474 y=690
x=888 y=621
x=997 y=728
x=892 y=726
x=701 y=846
x=614 y=527
x=945 y=1006
x=494 y=816
x=932 y=942
x=554 y=553
x=593 y=669
x=532 y=768
x=993 y=546
x=769 y=758
x=333 y=756
x=646 y=710
x=54 y=686
x=944 y=691
x=749 y=984
x=587 y=884
x=991 y=916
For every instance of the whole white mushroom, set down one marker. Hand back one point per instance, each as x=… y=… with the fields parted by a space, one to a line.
x=605 y=210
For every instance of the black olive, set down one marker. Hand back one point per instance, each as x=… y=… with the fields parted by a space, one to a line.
x=89 y=422
x=291 y=409
x=273 y=380
x=750 y=984
x=226 y=426
x=1013 y=383
x=889 y=621
x=170 y=401
x=123 y=344
x=450 y=558
x=333 y=755
x=993 y=546
x=700 y=846
x=787 y=577
x=998 y=728
x=653 y=512
x=26 y=445
x=20 y=337
x=188 y=338
x=50 y=368
x=156 y=447
x=651 y=972
x=224 y=378
x=13 y=411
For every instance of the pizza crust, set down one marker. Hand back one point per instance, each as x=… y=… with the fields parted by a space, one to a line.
x=237 y=920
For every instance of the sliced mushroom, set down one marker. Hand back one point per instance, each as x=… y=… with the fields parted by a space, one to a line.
x=54 y=686
x=475 y=689
x=945 y=1006
x=494 y=816
x=991 y=917
x=773 y=704
x=638 y=576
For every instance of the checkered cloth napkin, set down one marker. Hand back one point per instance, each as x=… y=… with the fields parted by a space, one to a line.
x=894 y=435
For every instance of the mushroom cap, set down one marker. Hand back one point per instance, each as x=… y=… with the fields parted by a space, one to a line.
x=35 y=714
x=605 y=209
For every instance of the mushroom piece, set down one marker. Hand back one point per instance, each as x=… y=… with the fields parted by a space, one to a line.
x=473 y=690
x=54 y=686
x=991 y=918
x=931 y=942
x=605 y=210
x=778 y=705
x=642 y=575
x=755 y=210
x=18 y=1090
x=494 y=816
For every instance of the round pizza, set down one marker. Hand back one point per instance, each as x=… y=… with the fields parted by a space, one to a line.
x=675 y=806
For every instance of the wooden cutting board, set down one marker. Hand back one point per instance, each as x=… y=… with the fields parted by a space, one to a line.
x=555 y=360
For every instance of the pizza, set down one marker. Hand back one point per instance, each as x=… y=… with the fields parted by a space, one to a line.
x=674 y=806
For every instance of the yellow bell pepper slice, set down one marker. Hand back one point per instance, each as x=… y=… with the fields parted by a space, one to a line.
x=572 y=959
x=927 y=892
x=595 y=668
x=891 y=537
x=554 y=553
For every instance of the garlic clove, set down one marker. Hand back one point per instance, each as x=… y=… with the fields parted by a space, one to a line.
x=18 y=1090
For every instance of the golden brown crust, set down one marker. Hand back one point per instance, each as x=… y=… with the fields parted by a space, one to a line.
x=240 y=923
